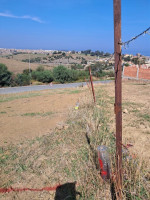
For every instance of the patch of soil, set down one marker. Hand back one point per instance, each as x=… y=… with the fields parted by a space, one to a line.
x=27 y=118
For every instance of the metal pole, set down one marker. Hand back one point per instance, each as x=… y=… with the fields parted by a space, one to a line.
x=29 y=69
x=92 y=85
x=118 y=96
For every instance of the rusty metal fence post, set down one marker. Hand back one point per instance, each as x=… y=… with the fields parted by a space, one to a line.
x=118 y=96
x=92 y=85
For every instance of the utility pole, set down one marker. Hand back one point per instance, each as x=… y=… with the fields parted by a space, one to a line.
x=118 y=96
x=29 y=68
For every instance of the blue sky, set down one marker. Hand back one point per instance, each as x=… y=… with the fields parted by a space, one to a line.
x=72 y=24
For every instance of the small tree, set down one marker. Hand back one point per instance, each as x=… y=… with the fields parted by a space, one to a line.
x=5 y=76
x=45 y=76
x=27 y=71
x=22 y=79
x=61 y=74
x=40 y=68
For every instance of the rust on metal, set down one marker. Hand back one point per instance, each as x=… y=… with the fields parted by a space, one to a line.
x=118 y=95
x=117 y=108
x=92 y=85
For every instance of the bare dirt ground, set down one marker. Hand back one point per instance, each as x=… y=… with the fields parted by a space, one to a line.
x=33 y=114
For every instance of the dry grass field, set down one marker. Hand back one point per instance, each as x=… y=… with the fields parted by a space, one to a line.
x=32 y=114
x=45 y=141
x=136 y=115
x=16 y=66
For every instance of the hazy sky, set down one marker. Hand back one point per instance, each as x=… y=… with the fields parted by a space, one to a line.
x=72 y=24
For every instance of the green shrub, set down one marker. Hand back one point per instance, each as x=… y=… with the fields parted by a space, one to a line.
x=5 y=76
x=27 y=71
x=22 y=79
x=40 y=68
x=34 y=75
x=77 y=66
x=73 y=75
x=105 y=73
x=101 y=73
x=84 y=61
x=45 y=76
x=82 y=75
x=111 y=74
x=32 y=60
x=61 y=74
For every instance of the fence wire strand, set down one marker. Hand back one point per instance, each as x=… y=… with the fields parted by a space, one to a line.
x=134 y=38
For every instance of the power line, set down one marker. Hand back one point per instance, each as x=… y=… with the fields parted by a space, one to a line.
x=134 y=38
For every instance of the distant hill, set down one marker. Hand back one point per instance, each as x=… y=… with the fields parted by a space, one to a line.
x=16 y=66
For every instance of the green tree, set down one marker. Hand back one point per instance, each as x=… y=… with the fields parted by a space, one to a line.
x=5 y=76
x=61 y=74
x=22 y=79
x=40 y=68
x=73 y=75
x=127 y=59
x=45 y=76
x=27 y=71
x=135 y=61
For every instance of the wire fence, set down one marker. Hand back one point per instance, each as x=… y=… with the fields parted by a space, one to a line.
x=134 y=38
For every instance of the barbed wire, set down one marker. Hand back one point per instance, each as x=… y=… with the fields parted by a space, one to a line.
x=134 y=38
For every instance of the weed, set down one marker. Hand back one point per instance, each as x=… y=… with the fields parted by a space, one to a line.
x=3 y=112
x=11 y=98
x=75 y=91
x=38 y=114
x=135 y=111
x=145 y=117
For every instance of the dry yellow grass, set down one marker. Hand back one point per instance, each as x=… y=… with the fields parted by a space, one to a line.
x=17 y=66
x=65 y=156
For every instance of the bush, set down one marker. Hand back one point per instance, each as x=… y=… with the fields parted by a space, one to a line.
x=126 y=64
x=77 y=66
x=84 y=61
x=105 y=73
x=45 y=76
x=32 y=60
x=22 y=79
x=40 y=68
x=27 y=71
x=5 y=76
x=61 y=74
x=83 y=74
x=73 y=75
